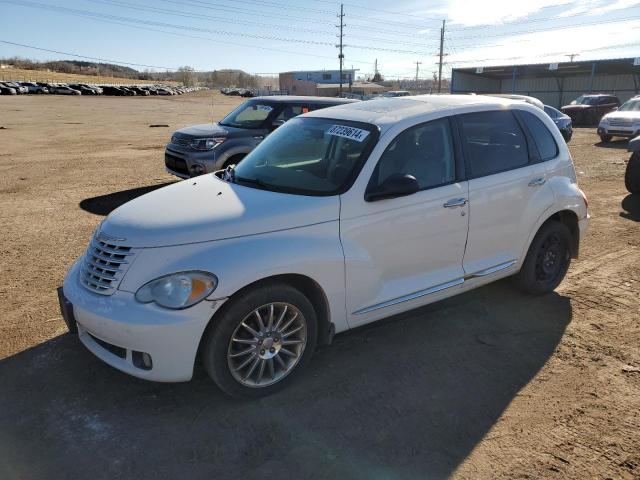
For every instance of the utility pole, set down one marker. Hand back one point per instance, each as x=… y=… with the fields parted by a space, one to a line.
x=572 y=56
x=340 y=46
x=417 y=67
x=441 y=56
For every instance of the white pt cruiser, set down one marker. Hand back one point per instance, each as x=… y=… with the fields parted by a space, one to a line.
x=339 y=218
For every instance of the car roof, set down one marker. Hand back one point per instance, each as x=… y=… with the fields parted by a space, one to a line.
x=306 y=99
x=388 y=111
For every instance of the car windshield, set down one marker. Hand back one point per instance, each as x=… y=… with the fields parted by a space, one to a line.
x=584 y=100
x=248 y=115
x=309 y=156
x=552 y=112
x=630 y=106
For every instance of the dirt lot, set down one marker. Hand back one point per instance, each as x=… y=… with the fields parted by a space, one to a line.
x=491 y=384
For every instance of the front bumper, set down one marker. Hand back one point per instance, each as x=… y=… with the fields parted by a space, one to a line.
x=185 y=162
x=114 y=327
x=615 y=131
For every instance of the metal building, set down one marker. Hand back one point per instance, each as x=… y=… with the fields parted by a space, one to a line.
x=555 y=84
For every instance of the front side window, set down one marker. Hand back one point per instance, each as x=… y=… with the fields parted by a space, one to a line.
x=542 y=137
x=309 y=156
x=424 y=151
x=248 y=115
x=493 y=142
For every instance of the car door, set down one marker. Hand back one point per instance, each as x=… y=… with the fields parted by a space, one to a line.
x=508 y=190
x=406 y=251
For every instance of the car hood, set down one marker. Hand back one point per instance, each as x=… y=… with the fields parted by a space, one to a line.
x=207 y=130
x=630 y=115
x=207 y=208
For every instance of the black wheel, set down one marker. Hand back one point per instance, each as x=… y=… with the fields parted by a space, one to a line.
x=547 y=260
x=260 y=341
x=632 y=174
x=605 y=138
x=234 y=160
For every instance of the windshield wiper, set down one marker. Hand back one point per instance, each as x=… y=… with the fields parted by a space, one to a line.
x=260 y=184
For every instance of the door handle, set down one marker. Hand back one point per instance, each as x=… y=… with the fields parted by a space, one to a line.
x=456 y=202
x=536 y=182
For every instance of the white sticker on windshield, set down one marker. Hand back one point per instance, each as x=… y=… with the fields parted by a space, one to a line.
x=265 y=108
x=351 y=133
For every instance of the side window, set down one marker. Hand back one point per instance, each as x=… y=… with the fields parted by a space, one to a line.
x=542 y=137
x=605 y=101
x=288 y=112
x=424 y=151
x=493 y=142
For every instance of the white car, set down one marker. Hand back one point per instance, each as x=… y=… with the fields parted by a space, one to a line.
x=623 y=122
x=341 y=217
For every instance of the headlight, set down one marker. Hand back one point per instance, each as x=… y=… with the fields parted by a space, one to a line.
x=178 y=290
x=604 y=120
x=206 y=143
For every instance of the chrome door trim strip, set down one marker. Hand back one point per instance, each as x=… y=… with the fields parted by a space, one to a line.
x=411 y=296
x=490 y=270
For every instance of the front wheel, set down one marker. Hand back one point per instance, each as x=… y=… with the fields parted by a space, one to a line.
x=605 y=138
x=547 y=260
x=632 y=174
x=261 y=340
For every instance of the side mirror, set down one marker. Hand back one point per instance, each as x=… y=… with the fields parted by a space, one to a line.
x=397 y=185
x=276 y=123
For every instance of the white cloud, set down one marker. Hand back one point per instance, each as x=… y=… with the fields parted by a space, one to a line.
x=494 y=12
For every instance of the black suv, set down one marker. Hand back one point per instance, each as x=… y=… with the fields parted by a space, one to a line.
x=208 y=147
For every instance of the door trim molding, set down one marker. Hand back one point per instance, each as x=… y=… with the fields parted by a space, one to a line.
x=411 y=296
x=490 y=270
x=443 y=286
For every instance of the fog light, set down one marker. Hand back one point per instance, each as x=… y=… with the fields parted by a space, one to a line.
x=197 y=169
x=142 y=360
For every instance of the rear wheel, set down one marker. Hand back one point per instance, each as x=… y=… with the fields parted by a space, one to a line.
x=260 y=341
x=605 y=138
x=632 y=174
x=547 y=260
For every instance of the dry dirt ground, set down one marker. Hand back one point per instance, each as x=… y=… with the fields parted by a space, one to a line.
x=490 y=384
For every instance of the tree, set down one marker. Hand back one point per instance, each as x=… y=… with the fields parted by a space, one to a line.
x=186 y=76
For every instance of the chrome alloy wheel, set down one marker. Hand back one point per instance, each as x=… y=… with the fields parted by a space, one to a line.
x=267 y=344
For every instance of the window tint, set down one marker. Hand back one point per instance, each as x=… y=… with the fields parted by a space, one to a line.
x=424 y=151
x=547 y=148
x=493 y=142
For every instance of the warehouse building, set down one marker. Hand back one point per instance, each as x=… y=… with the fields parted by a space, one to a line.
x=555 y=84
x=326 y=83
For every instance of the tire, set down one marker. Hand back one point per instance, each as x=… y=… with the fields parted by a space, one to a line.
x=632 y=174
x=547 y=260
x=606 y=138
x=234 y=160
x=250 y=362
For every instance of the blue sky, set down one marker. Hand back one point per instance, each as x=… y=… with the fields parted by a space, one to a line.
x=269 y=36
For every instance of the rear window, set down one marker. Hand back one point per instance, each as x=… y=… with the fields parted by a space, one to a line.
x=493 y=142
x=542 y=137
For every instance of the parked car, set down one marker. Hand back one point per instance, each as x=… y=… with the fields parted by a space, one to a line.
x=562 y=121
x=84 y=89
x=589 y=109
x=396 y=93
x=632 y=172
x=624 y=122
x=111 y=90
x=4 y=90
x=140 y=91
x=164 y=91
x=209 y=147
x=340 y=218
x=20 y=90
x=34 y=88
x=64 y=90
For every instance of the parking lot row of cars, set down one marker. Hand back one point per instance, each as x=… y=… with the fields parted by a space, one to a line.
x=19 y=88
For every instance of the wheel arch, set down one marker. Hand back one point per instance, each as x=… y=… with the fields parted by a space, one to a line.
x=567 y=217
x=309 y=288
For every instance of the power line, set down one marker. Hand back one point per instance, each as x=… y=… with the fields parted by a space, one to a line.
x=86 y=57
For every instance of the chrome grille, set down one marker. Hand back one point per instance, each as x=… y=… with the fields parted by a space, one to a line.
x=104 y=265
x=184 y=141
x=621 y=122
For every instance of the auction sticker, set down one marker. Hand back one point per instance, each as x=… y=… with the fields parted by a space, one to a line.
x=351 y=133
x=265 y=108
